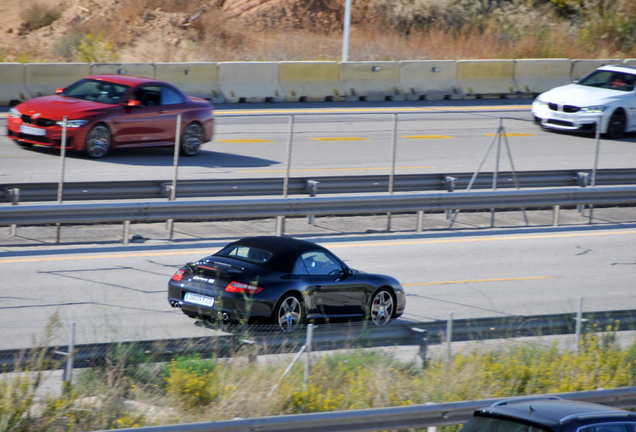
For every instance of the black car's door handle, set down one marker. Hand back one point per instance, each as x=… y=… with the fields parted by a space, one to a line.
x=319 y=287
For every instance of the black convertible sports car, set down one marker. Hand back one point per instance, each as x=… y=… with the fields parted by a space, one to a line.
x=284 y=281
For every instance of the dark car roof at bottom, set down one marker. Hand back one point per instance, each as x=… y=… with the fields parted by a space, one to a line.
x=284 y=250
x=550 y=412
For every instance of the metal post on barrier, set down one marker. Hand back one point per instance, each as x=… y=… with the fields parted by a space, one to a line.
x=310 y=335
x=60 y=188
x=598 y=146
x=312 y=186
x=392 y=174
x=126 y=232
x=555 y=219
x=175 y=173
x=15 y=200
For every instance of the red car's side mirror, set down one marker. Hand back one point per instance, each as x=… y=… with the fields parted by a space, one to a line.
x=133 y=103
x=59 y=91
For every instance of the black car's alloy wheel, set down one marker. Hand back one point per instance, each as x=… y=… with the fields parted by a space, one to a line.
x=192 y=138
x=616 y=126
x=381 y=307
x=289 y=313
x=98 y=141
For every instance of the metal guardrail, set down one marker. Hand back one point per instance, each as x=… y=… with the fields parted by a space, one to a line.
x=263 y=339
x=332 y=205
x=368 y=420
x=268 y=339
x=149 y=189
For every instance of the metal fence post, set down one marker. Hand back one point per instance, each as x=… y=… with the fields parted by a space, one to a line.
x=68 y=374
x=280 y=220
x=175 y=173
x=60 y=188
x=126 y=232
x=598 y=146
x=579 y=321
x=392 y=174
x=449 y=338
x=449 y=182
x=310 y=335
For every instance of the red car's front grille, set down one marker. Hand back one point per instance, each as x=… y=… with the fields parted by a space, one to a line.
x=42 y=122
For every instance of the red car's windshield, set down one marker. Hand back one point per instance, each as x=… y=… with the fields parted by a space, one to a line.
x=97 y=91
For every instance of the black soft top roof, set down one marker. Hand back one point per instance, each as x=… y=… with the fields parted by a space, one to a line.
x=550 y=413
x=284 y=250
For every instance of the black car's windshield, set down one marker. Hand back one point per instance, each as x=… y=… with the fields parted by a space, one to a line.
x=610 y=80
x=245 y=253
x=489 y=424
x=97 y=91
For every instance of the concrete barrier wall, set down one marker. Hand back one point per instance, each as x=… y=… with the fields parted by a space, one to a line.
x=250 y=82
x=371 y=81
x=317 y=81
x=535 y=76
x=195 y=79
x=310 y=81
x=12 y=85
x=584 y=67
x=139 y=69
x=430 y=80
x=487 y=78
x=44 y=78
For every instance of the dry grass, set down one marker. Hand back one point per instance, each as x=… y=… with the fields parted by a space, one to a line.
x=200 y=30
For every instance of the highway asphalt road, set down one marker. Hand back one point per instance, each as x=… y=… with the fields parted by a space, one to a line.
x=337 y=139
x=119 y=293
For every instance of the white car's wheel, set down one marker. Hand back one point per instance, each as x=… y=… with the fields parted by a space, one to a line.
x=617 y=125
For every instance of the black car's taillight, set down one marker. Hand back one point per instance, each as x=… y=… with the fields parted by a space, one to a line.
x=239 y=287
x=178 y=275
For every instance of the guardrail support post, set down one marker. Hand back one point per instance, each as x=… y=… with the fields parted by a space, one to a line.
x=583 y=179
x=126 y=232
x=68 y=373
x=280 y=220
x=420 y=221
x=421 y=337
x=579 y=322
x=15 y=200
x=555 y=219
x=312 y=187
x=310 y=335
x=449 y=182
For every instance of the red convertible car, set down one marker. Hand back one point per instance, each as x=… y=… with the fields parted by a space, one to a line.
x=111 y=111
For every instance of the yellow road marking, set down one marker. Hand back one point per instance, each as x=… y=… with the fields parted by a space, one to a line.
x=336 y=169
x=426 y=136
x=341 y=139
x=520 y=134
x=384 y=244
x=478 y=280
x=245 y=140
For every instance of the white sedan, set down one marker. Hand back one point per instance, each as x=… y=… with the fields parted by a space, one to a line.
x=607 y=94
